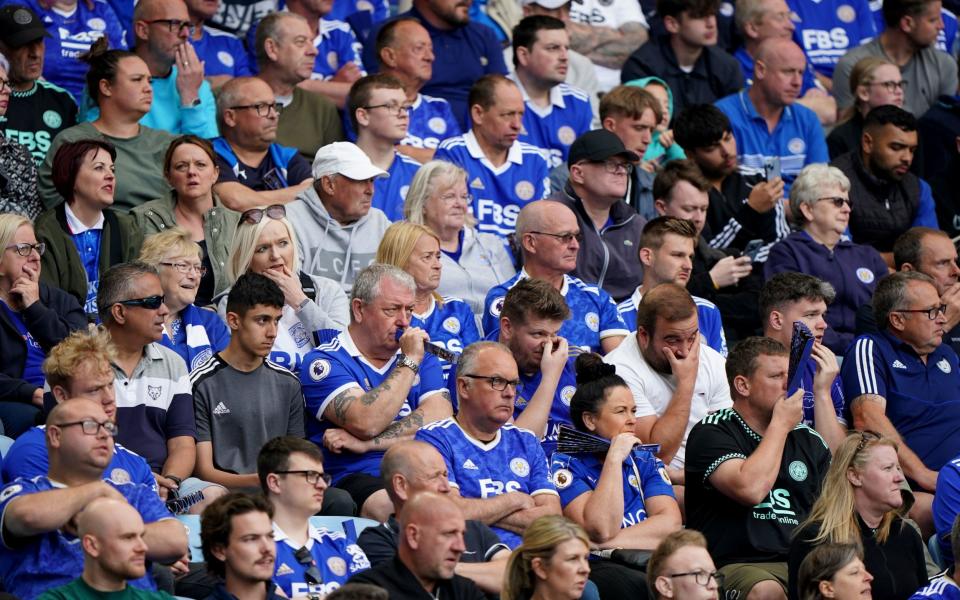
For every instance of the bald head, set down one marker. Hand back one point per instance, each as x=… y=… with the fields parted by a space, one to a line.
x=104 y=516
x=111 y=533
x=775 y=51
x=147 y=10
x=75 y=410
x=778 y=72
x=537 y=215
x=413 y=467
x=426 y=508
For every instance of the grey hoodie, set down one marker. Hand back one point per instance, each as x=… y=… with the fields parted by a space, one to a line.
x=326 y=247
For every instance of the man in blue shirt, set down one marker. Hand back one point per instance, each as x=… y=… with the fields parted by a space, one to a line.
x=498 y=471
x=292 y=479
x=503 y=173
x=367 y=389
x=222 y=53
x=904 y=382
x=557 y=114
x=790 y=297
x=768 y=124
x=549 y=236
x=40 y=549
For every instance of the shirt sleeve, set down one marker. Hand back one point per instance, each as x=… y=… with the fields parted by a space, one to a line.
x=656 y=481
x=435 y=438
x=610 y=322
x=298 y=170
x=569 y=477
x=226 y=171
x=322 y=378
x=431 y=378
x=861 y=371
x=180 y=419
x=946 y=502
x=295 y=426
x=708 y=447
x=147 y=503
x=17 y=488
x=201 y=413
x=712 y=329
x=26 y=458
x=927 y=211
x=201 y=120
x=217 y=332
x=378 y=543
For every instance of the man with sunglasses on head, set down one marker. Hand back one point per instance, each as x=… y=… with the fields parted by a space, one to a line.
x=311 y=561
x=40 y=549
x=155 y=411
x=254 y=169
x=549 y=236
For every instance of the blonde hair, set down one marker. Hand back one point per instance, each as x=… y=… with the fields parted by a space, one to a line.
x=157 y=246
x=540 y=540
x=78 y=348
x=863 y=73
x=834 y=511
x=396 y=246
x=432 y=177
x=9 y=224
x=245 y=242
x=667 y=548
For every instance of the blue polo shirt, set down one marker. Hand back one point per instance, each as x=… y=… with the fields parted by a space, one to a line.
x=946 y=506
x=923 y=399
x=797 y=139
x=554 y=128
x=390 y=192
x=559 y=408
x=746 y=65
x=222 y=54
x=939 y=588
x=826 y=29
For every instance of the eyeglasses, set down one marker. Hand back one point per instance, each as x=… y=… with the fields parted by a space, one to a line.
x=312 y=573
x=263 y=108
x=150 y=302
x=173 y=25
x=837 y=201
x=312 y=477
x=91 y=427
x=24 y=249
x=614 y=166
x=397 y=110
x=497 y=383
x=186 y=268
x=255 y=215
x=866 y=436
x=702 y=577
x=564 y=238
x=931 y=313
x=5 y=84
x=891 y=86
x=451 y=197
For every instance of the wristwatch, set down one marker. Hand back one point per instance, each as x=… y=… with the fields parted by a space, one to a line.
x=404 y=361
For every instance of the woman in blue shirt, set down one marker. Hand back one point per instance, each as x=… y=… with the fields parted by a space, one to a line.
x=622 y=498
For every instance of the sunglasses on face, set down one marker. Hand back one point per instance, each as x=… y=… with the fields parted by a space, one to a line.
x=150 y=302
x=255 y=215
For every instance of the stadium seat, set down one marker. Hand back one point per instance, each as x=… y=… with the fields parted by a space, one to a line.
x=352 y=526
x=192 y=525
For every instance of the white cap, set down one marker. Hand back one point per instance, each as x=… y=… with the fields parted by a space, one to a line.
x=550 y=4
x=346 y=159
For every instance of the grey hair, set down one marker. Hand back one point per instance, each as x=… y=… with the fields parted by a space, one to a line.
x=117 y=283
x=366 y=286
x=229 y=95
x=806 y=188
x=468 y=359
x=430 y=179
x=269 y=28
x=891 y=294
x=748 y=11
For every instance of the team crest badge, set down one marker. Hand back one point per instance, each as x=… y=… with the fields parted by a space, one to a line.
x=52 y=118
x=846 y=13
x=562 y=478
x=520 y=467
x=437 y=125
x=119 y=475
x=796 y=146
x=566 y=394
x=524 y=190
x=225 y=58
x=333 y=60
x=496 y=306
x=319 y=369
x=154 y=392
x=865 y=275
x=592 y=320
x=566 y=135
x=452 y=324
x=337 y=565
x=797 y=470
x=944 y=365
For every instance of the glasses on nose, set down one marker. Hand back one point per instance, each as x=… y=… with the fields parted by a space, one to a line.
x=702 y=577
x=615 y=166
x=564 y=238
x=931 y=313
x=891 y=86
x=91 y=427
x=397 y=110
x=150 y=302
x=186 y=268
x=255 y=215
x=24 y=249
x=312 y=573
x=173 y=25
x=5 y=85
x=452 y=197
x=497 y=383
x=263 y=108
x=312 y=477
x=837 y=201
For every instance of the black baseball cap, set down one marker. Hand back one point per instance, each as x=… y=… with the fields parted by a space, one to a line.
x=19 y=26
x=598 y=144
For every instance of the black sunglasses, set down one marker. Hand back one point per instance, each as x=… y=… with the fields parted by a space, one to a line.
x=255 y=215
x=150 y=302
x=312 y=574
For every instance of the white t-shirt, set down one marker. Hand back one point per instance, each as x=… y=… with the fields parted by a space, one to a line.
x=607 y=13
x=652 y=391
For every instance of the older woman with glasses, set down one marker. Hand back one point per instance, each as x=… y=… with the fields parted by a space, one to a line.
x=265 y=243
x=820 y=206
x=473 y=262
x=191 y=170
x=860 y=503
x=34 y=317
x=874 y=82
x=192 y=332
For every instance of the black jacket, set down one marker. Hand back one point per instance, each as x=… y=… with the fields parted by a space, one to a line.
x=732 y=223
x=937 y=131
x=738 y=303
x=715 y=74
x=49 y=320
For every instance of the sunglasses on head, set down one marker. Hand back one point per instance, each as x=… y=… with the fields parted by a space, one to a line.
x=150 y=302
x=255 y=215
x=312 y=574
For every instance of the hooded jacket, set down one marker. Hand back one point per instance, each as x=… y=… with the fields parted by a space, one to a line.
x=329 y=249
x=655 y=150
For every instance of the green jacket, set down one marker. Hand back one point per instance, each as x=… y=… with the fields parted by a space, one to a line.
x=219 y=225
x=61 y=265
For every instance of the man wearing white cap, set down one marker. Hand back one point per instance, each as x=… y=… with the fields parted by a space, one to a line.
x=337 y=228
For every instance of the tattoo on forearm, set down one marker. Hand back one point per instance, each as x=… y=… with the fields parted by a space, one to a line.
x=341 y=403
x=398 y=429
x=373 y=395
x=343 y=400
x=607 y=46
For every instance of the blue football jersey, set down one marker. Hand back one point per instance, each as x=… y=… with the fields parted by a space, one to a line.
x=337 y=365
x=336 y=46
x=559 y=409
x=827 y=29
x=836 y=393
x=555 y=127
x=499 y=192
x=450 y=325
x=336 y=558
x=71 y=36
x=390 y=192
x=222 y=54
x=593 y=313
x=431 y=122
x=644 y=476
x=939 y=588
x=708 y=319
x=946 y=506
x=512 y=462
x=32 y=565
x=379 y=9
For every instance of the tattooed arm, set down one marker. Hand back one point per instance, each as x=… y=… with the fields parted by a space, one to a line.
x=365 y=415
x=433 y=408
x=606 y=46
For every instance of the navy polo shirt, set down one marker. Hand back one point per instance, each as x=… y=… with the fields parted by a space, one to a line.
x=923 y=400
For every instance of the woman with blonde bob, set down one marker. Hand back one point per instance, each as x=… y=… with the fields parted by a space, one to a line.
x=192 y=332
x=552 y=563
x=874 y=82
x=860 y=504
x=448 y=321
x=834 y=572
x=265 y=243
x=473 y=262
